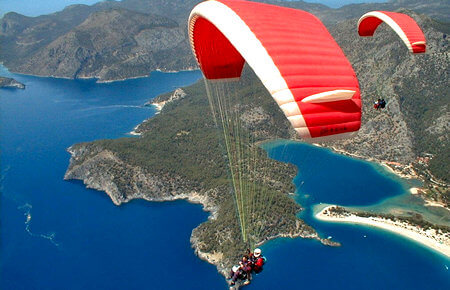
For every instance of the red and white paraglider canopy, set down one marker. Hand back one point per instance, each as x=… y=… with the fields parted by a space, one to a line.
x=292 y=53
x=402 y=24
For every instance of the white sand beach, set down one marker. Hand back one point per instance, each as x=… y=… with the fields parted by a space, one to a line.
x=159 y=106
x=438 y=241
x=134 y=133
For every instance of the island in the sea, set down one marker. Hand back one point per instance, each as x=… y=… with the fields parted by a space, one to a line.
x=10 y=83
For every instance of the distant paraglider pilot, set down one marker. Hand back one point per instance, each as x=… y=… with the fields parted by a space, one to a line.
x=376 y=105
x=380 y=104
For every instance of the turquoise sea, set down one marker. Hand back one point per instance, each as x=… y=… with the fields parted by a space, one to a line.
x=57 y=234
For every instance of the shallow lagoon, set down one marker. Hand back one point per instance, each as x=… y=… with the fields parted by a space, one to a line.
x=368 y=258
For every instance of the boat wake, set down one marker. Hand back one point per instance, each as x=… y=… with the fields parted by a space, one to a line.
x=26 y=208
x=114 y=107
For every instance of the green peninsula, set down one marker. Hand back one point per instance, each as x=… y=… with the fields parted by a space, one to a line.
x=178 y=156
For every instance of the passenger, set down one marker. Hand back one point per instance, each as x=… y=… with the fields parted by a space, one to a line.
x=239 y=273
x=251 y=258
x=235 y=274
x=247 y=267
x=232 y=271
x=382 y=103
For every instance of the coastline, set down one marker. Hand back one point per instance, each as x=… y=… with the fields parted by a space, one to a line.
x=158 y=107
x=427 y=202
x=403 y=171
x=10 y=83
x=437 y=241
x=155 y=188
x=139 y=77
x=134 y=133
x=97 y=78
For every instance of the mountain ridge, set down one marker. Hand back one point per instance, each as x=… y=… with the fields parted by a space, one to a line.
x=28 y=41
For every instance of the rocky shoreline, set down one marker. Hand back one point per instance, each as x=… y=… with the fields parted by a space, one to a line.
x=104 y=170
x=99 y=79
x=96 y=173
x=10 y=83
x=93 y=171
x=159 y=103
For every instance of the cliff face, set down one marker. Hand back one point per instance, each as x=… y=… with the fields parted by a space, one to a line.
x=104 y=171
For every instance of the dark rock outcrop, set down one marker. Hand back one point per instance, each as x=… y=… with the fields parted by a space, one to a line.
x=10 y=83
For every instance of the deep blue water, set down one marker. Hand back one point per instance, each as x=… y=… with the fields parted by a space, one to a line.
x=76 y=238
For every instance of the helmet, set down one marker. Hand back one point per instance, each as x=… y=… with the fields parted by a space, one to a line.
x=257 y=252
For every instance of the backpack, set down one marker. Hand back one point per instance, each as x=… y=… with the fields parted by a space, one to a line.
x=260 y=262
